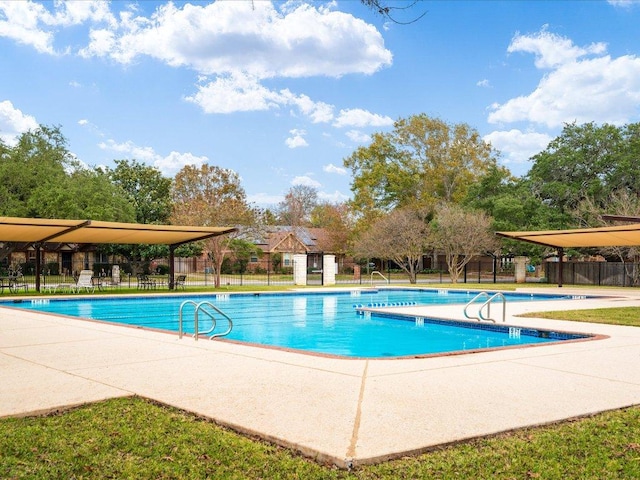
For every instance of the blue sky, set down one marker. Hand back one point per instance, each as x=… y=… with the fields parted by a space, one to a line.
x=283 y=92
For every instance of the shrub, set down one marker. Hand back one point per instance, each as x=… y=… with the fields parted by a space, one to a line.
x=163 y=269
x=52 y=268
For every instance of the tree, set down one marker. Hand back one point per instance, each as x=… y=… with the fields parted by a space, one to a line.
x=149 y=193
x=295 y=209
x=337 y=221
x=242 y=251
x=383 y=8
x=146 y=188
x=211 y=196
x=402 y=236
x=82 y=193
x=625 y=174
x=38 y=161
x=40 y=178
x=576 y=165
x=423 y=161
x=461 y=235
x=623 y=203
x=512 y=207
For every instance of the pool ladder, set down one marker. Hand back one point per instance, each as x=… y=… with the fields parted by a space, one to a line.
x=376 y=272
x=486 y=304
x=206 y=308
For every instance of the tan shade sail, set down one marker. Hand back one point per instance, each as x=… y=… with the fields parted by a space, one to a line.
x=39 y=230
x=616 y=236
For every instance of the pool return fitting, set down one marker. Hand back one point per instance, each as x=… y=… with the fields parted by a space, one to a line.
x=206 y=308
x=486 y=304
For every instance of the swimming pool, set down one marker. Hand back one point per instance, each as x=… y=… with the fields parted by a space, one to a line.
x=325 y=323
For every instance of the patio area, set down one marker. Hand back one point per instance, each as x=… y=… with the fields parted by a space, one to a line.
x=341 y=411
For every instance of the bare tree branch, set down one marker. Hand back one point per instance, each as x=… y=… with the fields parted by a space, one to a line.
x=383 y=8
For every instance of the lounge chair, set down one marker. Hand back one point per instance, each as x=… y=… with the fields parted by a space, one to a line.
x=113 y=281
x=145 y=282
x=180 y=281
x=17 y=283
x=85 y=281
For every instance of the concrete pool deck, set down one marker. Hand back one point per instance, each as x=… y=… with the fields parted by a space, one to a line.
x=341 y=411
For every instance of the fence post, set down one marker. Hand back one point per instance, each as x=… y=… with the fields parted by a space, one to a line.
x=599 y=273
x=495 y=268
x=479 y=271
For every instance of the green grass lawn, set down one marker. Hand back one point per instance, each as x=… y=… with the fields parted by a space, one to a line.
x=614 y=316
x=135 y=438
x=138 y=439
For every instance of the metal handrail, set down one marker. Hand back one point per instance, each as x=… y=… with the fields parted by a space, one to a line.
x=197 y=309
x=376 y=271
x=466 y=314
x=487 y=304
x=215 y=335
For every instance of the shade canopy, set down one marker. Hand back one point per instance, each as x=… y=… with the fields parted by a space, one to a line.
x=41 y=230
x=616 y=236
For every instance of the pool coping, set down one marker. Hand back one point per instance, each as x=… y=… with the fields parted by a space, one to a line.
x=347 y=412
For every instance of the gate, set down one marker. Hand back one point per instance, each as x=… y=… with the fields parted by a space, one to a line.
x=314 y=269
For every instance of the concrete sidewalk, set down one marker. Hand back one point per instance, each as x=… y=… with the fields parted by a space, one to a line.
x=335 y=410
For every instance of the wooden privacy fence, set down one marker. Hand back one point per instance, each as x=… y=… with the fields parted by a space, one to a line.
x=616 y=274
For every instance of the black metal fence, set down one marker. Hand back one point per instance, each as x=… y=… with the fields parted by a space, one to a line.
x=200 y=273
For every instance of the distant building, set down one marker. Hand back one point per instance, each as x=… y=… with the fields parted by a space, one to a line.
x=56 y=259
x=280 y=243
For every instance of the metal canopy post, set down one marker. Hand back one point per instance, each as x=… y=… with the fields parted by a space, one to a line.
x=560 y=265
x=172 y=251
x=38 y=246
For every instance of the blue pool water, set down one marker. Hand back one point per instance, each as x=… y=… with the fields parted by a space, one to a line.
x=328 y=323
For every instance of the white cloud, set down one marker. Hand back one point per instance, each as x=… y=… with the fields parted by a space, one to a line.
x=552 y=50
x=357 y=117
x=13 y=123
x=318 y=112
x=335 y=197
x=331 y=168
x=168 y=165
x=297 y=139
x=517 y=146
x=243 y=93
x=294 y=40
x=235 y=93
x=172 y=163
x=22 y=23
x=265 y=199
x=233 y=46
x=623 y=3
x=33 y=24
x=92 y=127
x=484 y=83
x=600 y=89
x=358 y=137
x=306 y=181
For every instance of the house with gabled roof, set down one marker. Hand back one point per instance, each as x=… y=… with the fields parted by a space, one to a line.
x=280 y=243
